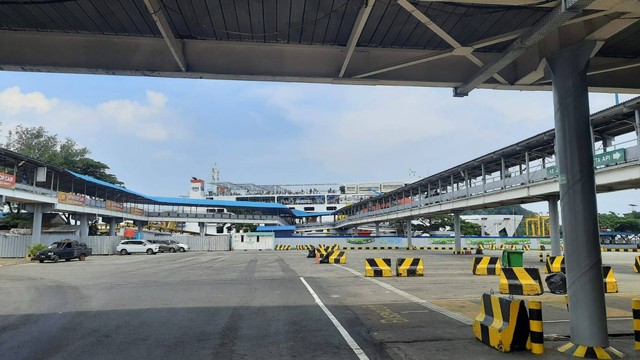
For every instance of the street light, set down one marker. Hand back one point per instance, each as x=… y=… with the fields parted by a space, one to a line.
x=633 y=207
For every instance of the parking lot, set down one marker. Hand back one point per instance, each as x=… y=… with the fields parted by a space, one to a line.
x=267 y=305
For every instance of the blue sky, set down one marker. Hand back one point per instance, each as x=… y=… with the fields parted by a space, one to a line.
x=157 y=133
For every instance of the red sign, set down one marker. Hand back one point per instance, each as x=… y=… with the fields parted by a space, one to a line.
x=71 y=199
x=7 y=180
x=115 y=206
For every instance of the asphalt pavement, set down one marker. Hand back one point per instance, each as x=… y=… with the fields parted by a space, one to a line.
x=263 y=305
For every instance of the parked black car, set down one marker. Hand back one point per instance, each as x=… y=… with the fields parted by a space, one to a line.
x=66 y=249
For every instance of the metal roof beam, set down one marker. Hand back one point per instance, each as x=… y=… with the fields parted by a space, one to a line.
x=550 y=22
x=458 y=49
x=361 y=20
x=440 y=54
x=157 y=11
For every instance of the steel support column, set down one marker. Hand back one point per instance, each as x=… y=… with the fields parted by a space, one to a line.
x=377 y=229
x=456 y=230
x=409 y=239
x=554 y=222
x=574 y=157
x=140 y=227
x=638 y=129
x=203 y=228
x=36 y=232
x=84 y=225
x=112 y=226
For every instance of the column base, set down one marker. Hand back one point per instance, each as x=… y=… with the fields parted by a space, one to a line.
x=590 y=352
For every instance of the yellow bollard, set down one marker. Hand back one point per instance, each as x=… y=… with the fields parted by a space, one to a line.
x=535 y=326
x=635 y=305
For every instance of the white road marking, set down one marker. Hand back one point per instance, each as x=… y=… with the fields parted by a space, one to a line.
x=415 y=299
x=354 y=346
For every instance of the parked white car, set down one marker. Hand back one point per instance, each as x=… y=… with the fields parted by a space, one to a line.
x=137 y=246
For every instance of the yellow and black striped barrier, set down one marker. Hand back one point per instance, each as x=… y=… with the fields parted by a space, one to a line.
x=283 y=247
x=555 y=264
x=610 y=282
x=635 y=306
x=526 y=247
x=304 y=247
x=541 y=247
x=334 y=257
x=619 y=250
x=502 y=323
x=333 y=247
x=636 y=265
x=535 y=326
x=377 y=267
x=543 y=255
x=409 y=267
x=321 y=251
x=486 y=265
x=591 y=352
x=521 y=281
x=370 y=248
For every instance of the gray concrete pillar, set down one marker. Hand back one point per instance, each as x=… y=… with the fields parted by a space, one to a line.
x=456 y=230
x=36 y=232
x=112 y=226
x=84 y=225
x=140 y=228
x=554 y=222
x=377 y=229
x=574 y=155
x=638 y=129
x=409 y=235
x=203 y=228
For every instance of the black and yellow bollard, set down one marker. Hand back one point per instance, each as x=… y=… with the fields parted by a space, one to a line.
x=635 y=305
x=535 y=327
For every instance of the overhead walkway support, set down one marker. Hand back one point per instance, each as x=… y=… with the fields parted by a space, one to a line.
x=574 y=151
x=457 y=231
x=554 y=222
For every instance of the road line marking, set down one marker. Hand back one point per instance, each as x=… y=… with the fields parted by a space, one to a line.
x=415 y=299
x=354 y=346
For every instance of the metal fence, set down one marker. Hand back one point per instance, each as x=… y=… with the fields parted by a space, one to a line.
x=16 y=246
x=206 y=243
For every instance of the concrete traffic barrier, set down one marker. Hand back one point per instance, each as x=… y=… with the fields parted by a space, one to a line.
x=334 y=257
x=321 y=251
x=377 y=267
x=333 y=247
x=610 y=282
x=636 y=265
x=502 y=323
x=555 y=264
x=283 y=247
x=526 y=247
x=409 y=267
x=486 y=265
x=304 y=247
x=535 y=326
x=543 y=256
x=520 y=281
x=635 y=306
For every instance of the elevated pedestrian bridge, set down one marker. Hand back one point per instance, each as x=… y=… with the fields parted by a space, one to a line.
x=524 y=172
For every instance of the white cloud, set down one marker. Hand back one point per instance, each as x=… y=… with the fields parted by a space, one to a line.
x=14 y=101
x=150 y=120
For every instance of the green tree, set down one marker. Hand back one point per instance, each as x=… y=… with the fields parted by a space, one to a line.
x=36 y=142
x=627 y=225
